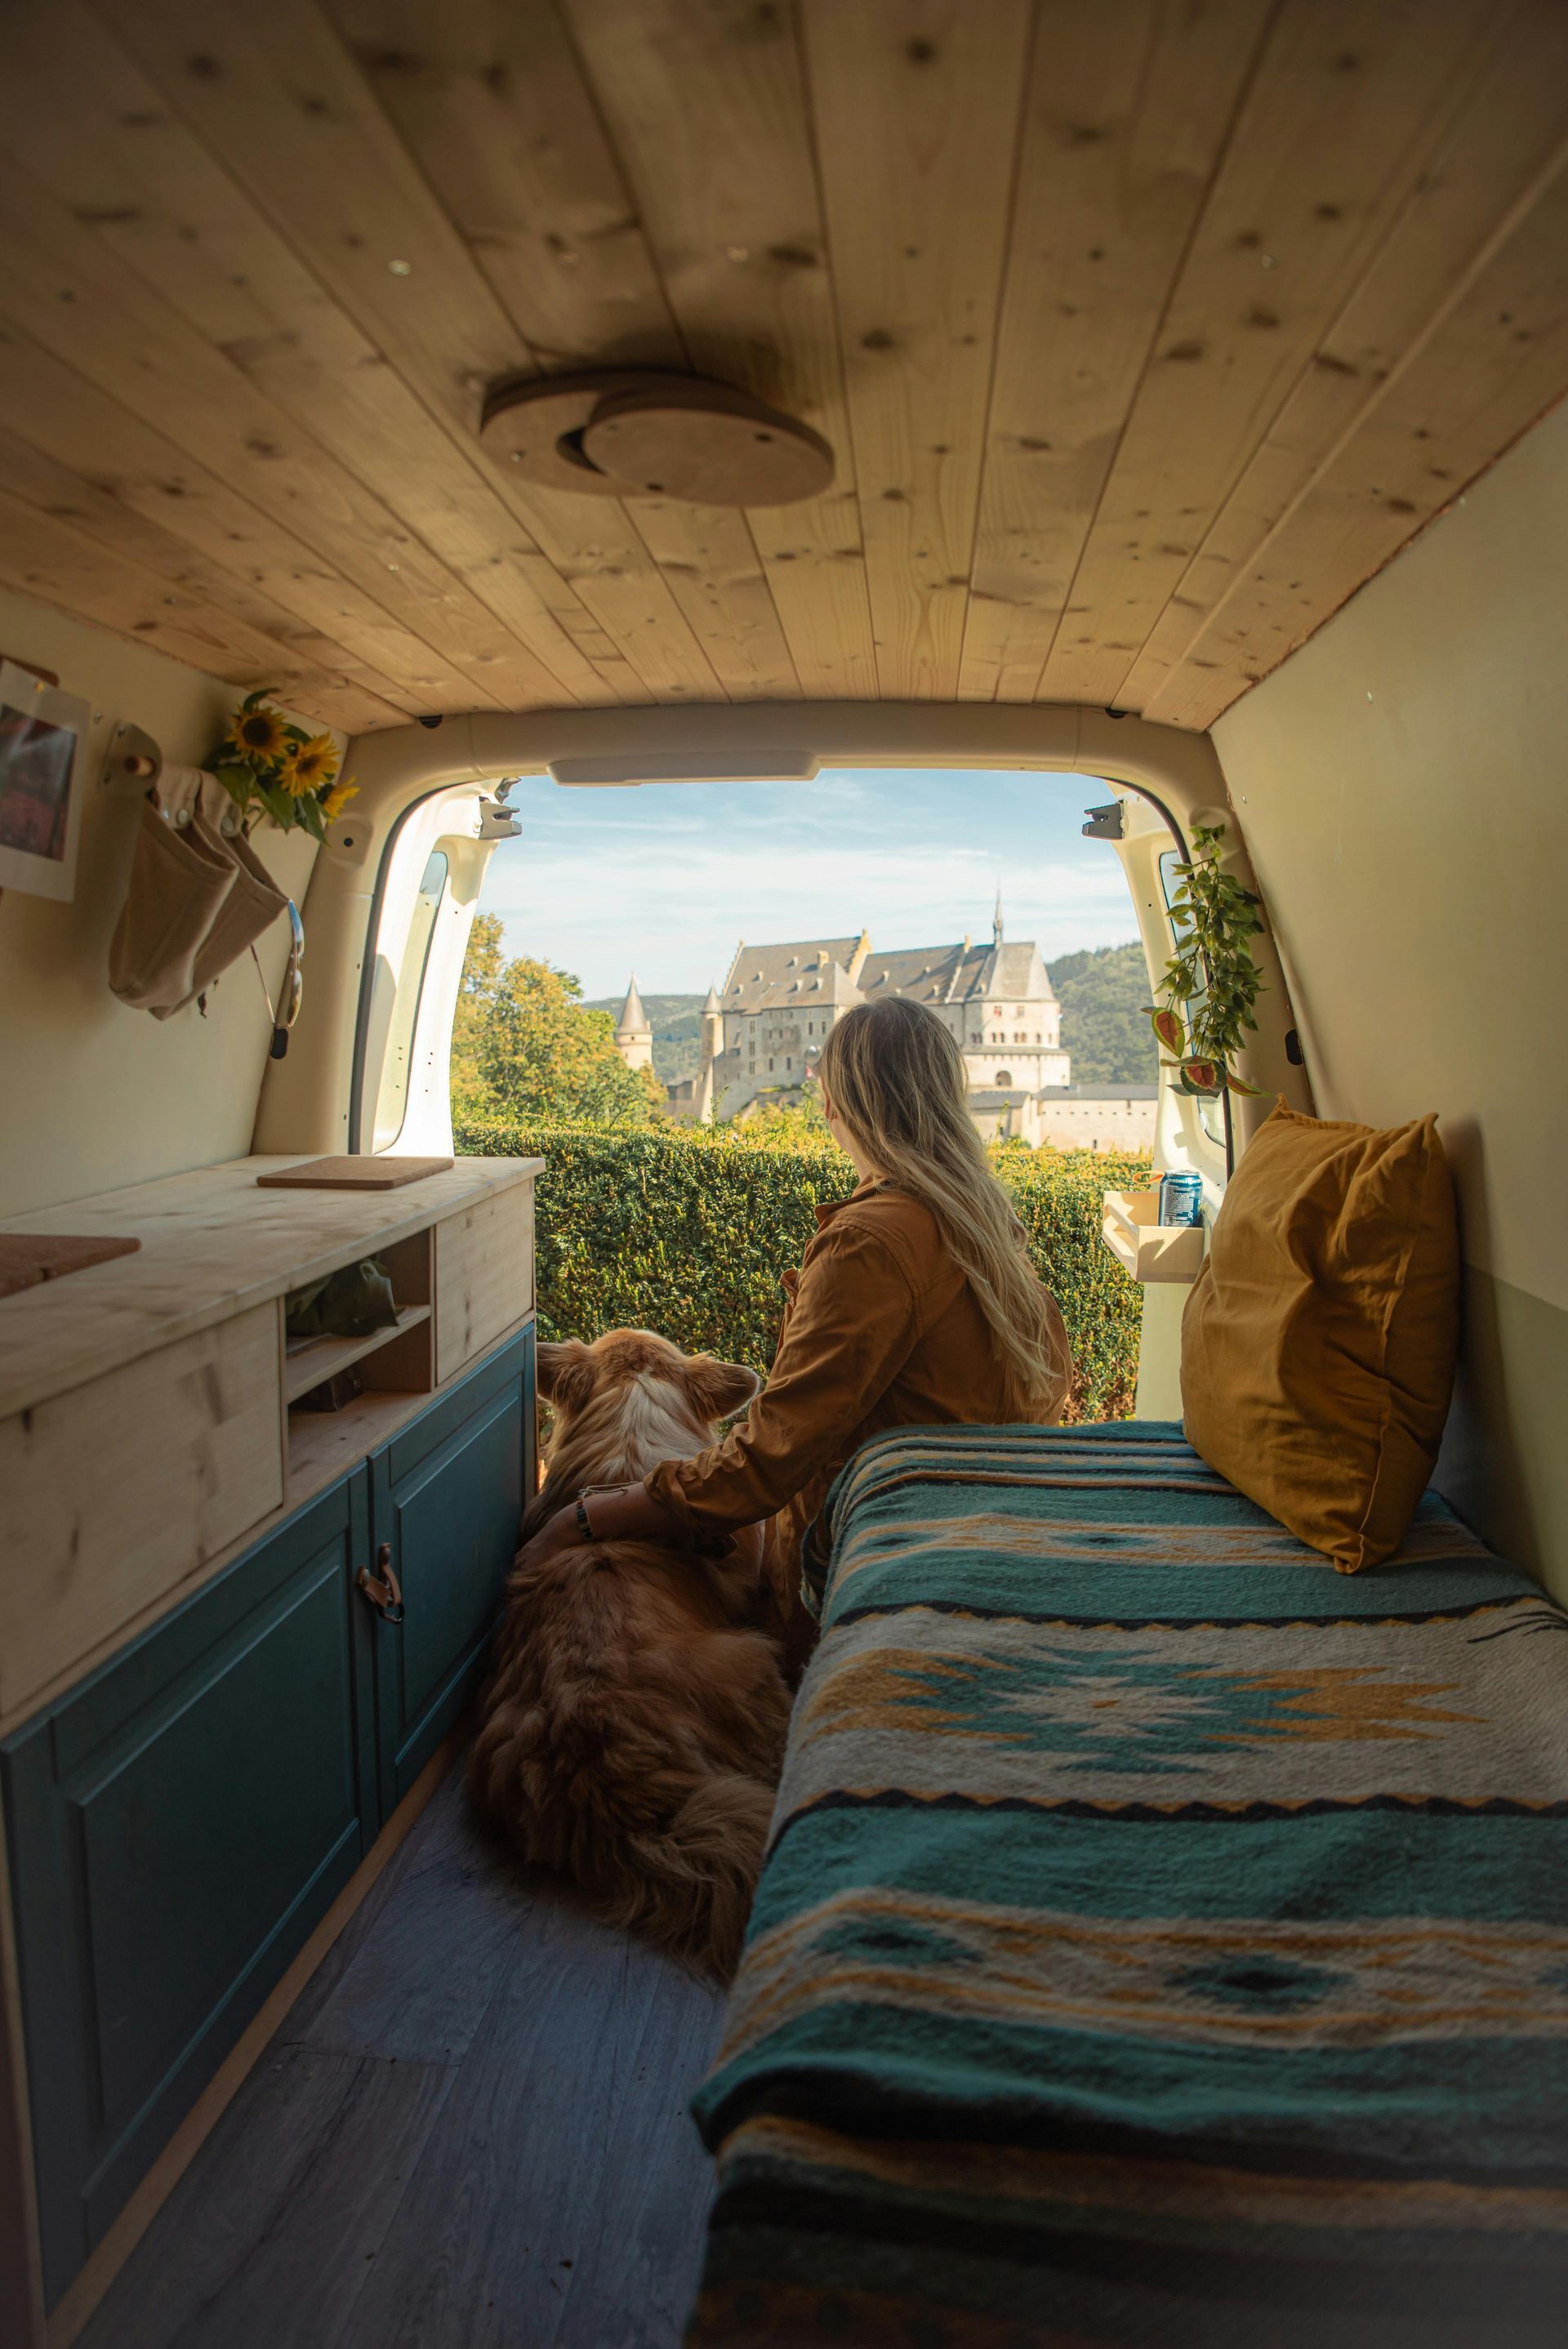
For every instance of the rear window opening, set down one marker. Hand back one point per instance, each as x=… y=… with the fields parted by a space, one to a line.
x=775 y=905
x=634 y=968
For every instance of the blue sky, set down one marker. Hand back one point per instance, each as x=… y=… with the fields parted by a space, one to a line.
x=666 y=878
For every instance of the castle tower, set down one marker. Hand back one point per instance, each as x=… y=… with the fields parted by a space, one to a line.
x=634 y=1036
x=712 y=1045
x=712 y=1030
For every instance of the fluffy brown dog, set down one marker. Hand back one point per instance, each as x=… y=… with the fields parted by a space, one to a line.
x=634 y=1725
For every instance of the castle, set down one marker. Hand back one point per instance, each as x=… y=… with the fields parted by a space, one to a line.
x=762 y=1032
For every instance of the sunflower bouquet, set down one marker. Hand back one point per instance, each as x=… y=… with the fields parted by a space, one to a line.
x=271 y=767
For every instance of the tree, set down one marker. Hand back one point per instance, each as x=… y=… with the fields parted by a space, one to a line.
x=797 y=1124
x=482 y=966
x=523 y=1046
x=1103 y=994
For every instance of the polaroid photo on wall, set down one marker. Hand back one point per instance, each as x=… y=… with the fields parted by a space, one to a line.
x=43 y=765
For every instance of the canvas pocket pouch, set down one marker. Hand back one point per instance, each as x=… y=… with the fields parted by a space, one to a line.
x=178 y=881
x=253 y=904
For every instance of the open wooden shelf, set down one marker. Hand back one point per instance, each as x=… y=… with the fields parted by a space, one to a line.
x=322 y=1443
x=308 y=1361
x=1143 y=1246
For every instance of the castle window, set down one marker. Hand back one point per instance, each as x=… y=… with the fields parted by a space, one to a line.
x=1004 y=1077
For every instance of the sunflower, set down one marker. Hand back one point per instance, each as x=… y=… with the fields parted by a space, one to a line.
x=337 y=799
x=258 y=735
x=311 y=766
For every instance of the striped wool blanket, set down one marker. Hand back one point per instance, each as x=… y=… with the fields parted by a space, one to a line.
x=1164 y=1938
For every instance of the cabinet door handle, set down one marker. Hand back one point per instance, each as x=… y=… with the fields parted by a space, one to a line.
x=383 y=1588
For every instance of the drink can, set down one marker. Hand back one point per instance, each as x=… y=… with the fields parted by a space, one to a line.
x=1182 y=1198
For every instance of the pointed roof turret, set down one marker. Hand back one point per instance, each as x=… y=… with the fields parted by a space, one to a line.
x=634 y=1020
x=713 y=1003
x=997 y=919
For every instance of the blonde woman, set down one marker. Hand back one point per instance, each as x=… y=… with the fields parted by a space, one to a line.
x=915 y=1305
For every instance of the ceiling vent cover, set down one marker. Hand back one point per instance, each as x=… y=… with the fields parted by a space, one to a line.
x=624 y=432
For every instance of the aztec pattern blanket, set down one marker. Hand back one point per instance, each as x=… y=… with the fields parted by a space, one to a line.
x=1164 y=1938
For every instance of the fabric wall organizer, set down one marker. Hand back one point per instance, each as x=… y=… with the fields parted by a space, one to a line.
x=197 y=898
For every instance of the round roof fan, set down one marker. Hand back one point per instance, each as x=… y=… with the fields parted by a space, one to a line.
x=626 y=433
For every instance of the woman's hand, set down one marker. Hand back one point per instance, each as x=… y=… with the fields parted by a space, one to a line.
x=615 y=1511
x=620 y=1513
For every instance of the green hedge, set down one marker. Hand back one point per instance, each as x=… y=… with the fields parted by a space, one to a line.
x=686 y=1230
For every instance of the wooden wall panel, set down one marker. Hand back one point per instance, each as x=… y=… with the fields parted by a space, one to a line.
x=1338 y=127
x=70 y=292
x=1484 y=378
x=533 y=134
x=1122 y=142
x=1505 y=148
x=241 y=626
x=283 y=103
x=169 y=210
x=709 y=114
x=917 y=106
x=1120 y=323
x=490 y=100
x=85 y=426
x=44 y=556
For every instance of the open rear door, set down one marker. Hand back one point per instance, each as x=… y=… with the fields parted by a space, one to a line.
x=1188 y=1132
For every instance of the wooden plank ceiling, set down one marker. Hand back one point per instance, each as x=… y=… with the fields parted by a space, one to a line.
x=1144 y=332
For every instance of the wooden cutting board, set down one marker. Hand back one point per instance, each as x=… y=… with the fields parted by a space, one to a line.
x=364 y=1174
x=28 y=1258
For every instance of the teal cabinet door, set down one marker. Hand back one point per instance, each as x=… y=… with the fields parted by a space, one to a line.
x=177 y=1826
x=446 y=1498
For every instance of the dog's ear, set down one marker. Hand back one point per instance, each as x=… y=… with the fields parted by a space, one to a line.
x=566 y=1372
x=720 y=1389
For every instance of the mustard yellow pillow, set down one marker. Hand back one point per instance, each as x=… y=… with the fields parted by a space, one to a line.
x=1318 y=1341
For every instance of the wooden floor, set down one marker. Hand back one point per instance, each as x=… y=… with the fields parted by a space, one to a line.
x=470 y=2133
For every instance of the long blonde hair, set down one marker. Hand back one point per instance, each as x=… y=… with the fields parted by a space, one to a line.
x=895 y=1078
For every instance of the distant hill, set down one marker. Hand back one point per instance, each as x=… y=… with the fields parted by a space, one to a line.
x=676 y=1023
x=1105 y=1027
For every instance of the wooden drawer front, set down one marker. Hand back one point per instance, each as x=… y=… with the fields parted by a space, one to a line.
x=484 y=1276
x=177 y=1827
x=112 y=1494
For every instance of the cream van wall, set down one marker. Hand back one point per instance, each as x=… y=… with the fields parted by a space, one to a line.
x=93 y=1095
x=1400 y=782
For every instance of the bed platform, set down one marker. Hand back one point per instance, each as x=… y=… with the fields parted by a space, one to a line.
x=1164 y=1940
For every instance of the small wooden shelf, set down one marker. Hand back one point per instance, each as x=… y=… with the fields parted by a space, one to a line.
x=308 y=1361
x=1147 y=1248
x=322 y=1443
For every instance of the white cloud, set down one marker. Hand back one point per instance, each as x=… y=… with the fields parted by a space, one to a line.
x=667 y=882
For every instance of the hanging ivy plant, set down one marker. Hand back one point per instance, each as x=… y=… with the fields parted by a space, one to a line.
x=271 y=767
x=1212 y=982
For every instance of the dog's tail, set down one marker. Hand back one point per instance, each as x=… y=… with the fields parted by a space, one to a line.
x=691 y=1880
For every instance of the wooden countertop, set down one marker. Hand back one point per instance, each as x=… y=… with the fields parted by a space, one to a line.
x=211 y=1245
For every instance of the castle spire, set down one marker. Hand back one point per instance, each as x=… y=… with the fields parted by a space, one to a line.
x=634 y=1030
x=634 y=1020
x=710 y=1029
x=997 y=919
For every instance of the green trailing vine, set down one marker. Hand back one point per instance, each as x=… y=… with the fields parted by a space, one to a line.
x=1211 y=983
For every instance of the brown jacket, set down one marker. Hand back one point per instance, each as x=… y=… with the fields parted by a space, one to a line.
x=880 y=1331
